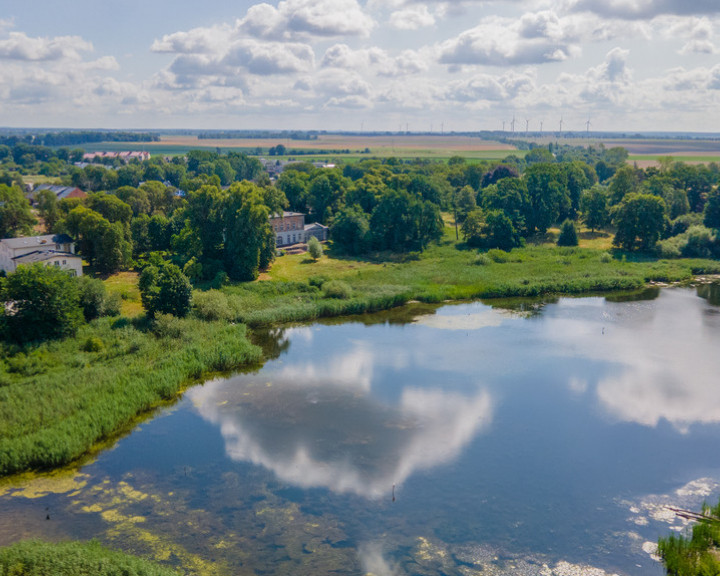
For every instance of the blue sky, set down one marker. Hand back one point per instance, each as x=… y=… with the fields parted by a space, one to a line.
x=380 y=64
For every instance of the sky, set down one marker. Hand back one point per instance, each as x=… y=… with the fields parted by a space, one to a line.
x=362 y=65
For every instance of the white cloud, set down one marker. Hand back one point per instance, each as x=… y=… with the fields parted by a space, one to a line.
x=533 y=39
x=19 y=46
x=646 y=9
x=412 y=18
x=292 y=18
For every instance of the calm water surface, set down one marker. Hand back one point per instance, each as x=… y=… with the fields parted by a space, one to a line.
x=542 y=439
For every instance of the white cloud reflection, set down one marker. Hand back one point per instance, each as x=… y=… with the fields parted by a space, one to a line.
x=338 y=436
x=666 y=367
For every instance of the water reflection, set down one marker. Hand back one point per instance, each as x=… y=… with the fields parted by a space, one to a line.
x=664 y=367
x=338 y=435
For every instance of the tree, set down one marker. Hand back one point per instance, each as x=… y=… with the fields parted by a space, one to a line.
x=249 y=238
x=16 y=219
x=639 y=219
x=499 y=231
x=568 y=234
x=48 y=209
x=41 y=303
x=402 y=222
x=511 y=196
x=594 y=207
x=624 y=182
x=711 y=217
x=95 y=300
x=465 y=202
x=164 y=289
x=547 y=194
x=473 y=228
x=315 y=249
x=350 y=230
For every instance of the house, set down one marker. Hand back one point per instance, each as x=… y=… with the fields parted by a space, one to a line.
x=51 y=250
x=59 y=191
x=290 y=228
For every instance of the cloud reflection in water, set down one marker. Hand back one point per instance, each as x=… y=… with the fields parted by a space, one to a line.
x=319 y=431
x=665 y=357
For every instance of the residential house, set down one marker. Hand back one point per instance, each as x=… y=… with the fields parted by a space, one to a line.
x=290 y=228
x=51 y=250
x=59 y=191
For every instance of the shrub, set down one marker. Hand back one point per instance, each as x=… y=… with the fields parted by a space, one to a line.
x=337 y=289
x=568 y=234
x=499 y=256
x=318 y=280
x=315 y=249
x=606 y=258
x=212 y=305
x=482 y=260
x=93 y=344
x=167 y=326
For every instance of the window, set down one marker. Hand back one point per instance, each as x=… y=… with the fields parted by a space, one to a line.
x=64 y=262
x=279 y=240
x=57 y=263
x=293 y=238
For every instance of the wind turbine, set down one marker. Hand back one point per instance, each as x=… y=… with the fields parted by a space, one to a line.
x=503 y=125
x=561 y=123
x=512 y=124
x=527 y=126
x=587 y=127
x=541 y=125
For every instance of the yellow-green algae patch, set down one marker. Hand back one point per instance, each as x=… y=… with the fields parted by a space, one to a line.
x=37 y=485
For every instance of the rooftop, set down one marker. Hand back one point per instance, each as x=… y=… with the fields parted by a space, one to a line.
x=38 y=241
x=42 y=255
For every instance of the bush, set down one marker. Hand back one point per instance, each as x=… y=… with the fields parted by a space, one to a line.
x=167 y=326
x=606 y=258
x=337 y=289
x=482 y=260
x=212 y=305
x=315 y=249
x=499 y=256
x=568 y=234
x=93 y=344
x=318 y=280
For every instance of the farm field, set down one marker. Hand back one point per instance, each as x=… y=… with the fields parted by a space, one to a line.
x=404 y=146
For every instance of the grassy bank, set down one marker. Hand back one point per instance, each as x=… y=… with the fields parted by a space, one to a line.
x=60 y=398
x=295 y=288
x=73 y=559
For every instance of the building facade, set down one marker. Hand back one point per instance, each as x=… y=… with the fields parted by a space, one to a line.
x=51 y=250
x=290 y=228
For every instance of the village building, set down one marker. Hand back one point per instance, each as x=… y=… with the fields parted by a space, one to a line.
x=290 y=228
x=51 y=250
x=60 y=192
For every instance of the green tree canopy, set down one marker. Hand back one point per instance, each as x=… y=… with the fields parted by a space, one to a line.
x=16 y=219
x=41 y=303
x=639 y=220
x=350 y=230
x=164 y=289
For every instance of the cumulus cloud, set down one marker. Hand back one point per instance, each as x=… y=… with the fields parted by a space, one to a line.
x=412 y=18
x=19 y=46
x=292 y=18
x=696 y=33
x=533 y=39
x=637 y=9
x=374 y=60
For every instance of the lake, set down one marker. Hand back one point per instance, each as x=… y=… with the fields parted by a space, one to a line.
x=515 y=437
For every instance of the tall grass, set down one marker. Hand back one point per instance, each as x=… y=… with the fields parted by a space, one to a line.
x=73 y=559
x=61 y=398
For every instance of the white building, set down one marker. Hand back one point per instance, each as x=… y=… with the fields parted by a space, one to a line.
x=51 y=250
x=290 y=228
